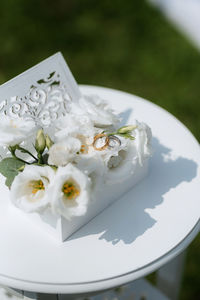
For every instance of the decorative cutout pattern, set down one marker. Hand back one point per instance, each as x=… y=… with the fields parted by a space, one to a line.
x=46 y=101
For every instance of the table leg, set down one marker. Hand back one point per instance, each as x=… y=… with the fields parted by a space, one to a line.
x=10 y=293
x=47 y=297
x=30 y=296
x=169 y=276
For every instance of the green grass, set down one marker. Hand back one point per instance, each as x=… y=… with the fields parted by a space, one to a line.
x=125 y=45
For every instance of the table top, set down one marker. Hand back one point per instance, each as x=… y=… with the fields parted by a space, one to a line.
x=136 y=235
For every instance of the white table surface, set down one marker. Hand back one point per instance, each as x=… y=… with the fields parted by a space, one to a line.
x=140 y=232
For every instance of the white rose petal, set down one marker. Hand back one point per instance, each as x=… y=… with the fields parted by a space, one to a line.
x=98 y=111
x=110 y=153
x=70 y=193
x=62 y=153
x=142 y=141
x=114 y=161
x=14 y=131
x=89 y=162
x=93 y=166
x=29 y=190
x=122 y=165
x=125 y=160
x=73 y=125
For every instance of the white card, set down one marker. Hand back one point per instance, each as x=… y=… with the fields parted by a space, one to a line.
x=42 y=93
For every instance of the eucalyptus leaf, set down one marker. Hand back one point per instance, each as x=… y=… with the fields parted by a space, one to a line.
x=9 y=168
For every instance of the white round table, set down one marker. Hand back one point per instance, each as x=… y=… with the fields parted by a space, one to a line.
x=140 y=232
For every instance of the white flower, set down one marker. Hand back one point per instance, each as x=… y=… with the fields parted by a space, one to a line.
x=89 y=162
x=142 y=141
x=124 y=160
x=29 y=190
x=122 y=165
x=140 y=146
x=92 y=165
x=111 y=153
x=114 y=161
x=14 y=131
x=73 y=125
x=62 y=153
x=98 y=111
x=70 y=193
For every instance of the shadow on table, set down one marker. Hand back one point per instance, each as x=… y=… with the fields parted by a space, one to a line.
x=126 y=219
x=125 y=116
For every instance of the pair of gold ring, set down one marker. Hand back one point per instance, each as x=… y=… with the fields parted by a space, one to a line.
x=107 y=141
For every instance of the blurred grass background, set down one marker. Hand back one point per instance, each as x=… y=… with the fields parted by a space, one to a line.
x=125 y=45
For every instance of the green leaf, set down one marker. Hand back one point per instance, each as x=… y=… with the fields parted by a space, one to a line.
x=126 y=136
x=10 y=167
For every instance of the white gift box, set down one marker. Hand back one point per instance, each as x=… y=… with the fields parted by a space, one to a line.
x=44 y=93
x=61 y=228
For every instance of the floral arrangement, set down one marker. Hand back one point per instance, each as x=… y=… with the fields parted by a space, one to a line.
x=62 y=166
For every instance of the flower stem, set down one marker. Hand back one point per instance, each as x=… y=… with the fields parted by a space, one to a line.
x=40 y=158
x=26 y=151
x=12 y=151
x=112 y=133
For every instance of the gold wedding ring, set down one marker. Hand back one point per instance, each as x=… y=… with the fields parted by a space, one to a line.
x=96 y=138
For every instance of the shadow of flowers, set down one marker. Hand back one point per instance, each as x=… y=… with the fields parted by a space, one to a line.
x=127 y=218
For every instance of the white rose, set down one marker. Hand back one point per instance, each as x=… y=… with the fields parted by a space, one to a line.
x=29 y=190
x=111 y=153
x=93 y=166
x=124 y=160
x=73 y=125
x=62 y=153
x=14 y=131
x=89 y=162
x=71 y=192
x=142 y=141
x=140 y=146
x=98 y=111
x=122 y=165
